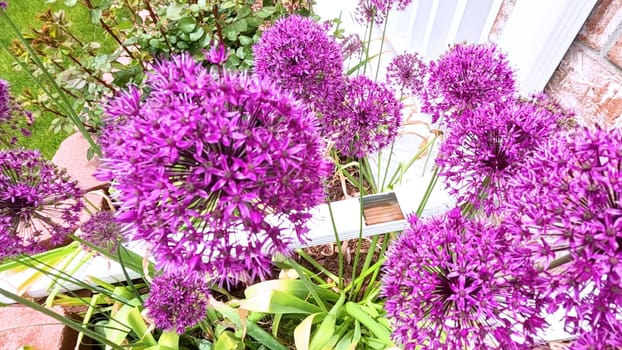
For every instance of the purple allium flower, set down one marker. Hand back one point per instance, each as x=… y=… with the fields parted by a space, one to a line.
x=4 y=5
x=217 y=54
x=454 y=283
x=216 y=172
x=177 y=301
x=568 y=200
x=406 y=72
x=466 y=77
x=368 y=120
x=297 y=53
x=38 y=202
x=485 y=149
x=352 y=47
x=103 y=231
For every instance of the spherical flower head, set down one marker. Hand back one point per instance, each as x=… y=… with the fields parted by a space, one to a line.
x=297 y=53
x=485 y=149
x=103 y=231
x=352 y=47
x=39 y=203
x=406 y=73
x=454 y=283
x=466 y=77
x=568 y=200
x=368 y=121
x=177 y=301
x=218 y=172
x=4 y=5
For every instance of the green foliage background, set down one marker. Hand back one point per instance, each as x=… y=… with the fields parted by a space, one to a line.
x=23 y=13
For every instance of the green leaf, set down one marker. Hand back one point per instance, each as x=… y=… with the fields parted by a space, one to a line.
x=197 y=34
x=71 y=3
x=240 y=52
x=265 y=12
x=302 y=332
x=244 y=11
x=245 y=40
x=296 y=288
x=230 y=33
x=278 y=302
x=228 y=341
x=383 y=334
x=173 y=12
x=252 y=329
x=96 y=15
x=240 y=26
x=136 y=321
x=325 y=331
x=187 y=24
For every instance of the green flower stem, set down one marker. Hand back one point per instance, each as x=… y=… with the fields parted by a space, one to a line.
x=384 y=30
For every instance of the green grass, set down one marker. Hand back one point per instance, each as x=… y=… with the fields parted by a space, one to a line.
x=23 y=12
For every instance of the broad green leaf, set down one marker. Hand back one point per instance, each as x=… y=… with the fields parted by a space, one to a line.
x=136 y=321
x=187 y=24
x=376 y=328
x=245 y=40
x=173 y=12
x=296 y=288
x=278 y=302
x=326 y=330
x=197 y=34
x=265 y=12
x=302 y=333
x=228 y=341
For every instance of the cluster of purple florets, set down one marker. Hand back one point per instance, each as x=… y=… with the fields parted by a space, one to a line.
x=467 y=77
x=569 y=196
x=39 y=203
x=554 y=195
x=456 y=283
x=177 y=301
x=103 y=230
x=217 y=172
x=358 y=115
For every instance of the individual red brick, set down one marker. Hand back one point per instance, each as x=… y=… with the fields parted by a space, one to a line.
x=602 y=22
x=21 y=326
x=615 y=53
x=589 y=85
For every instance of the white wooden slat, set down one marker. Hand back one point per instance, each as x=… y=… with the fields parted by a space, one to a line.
x=536 y=36
x=455 y=22
x=447 y=11
x=473 y=21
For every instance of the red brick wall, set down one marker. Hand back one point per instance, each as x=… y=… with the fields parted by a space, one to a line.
x=589 y=78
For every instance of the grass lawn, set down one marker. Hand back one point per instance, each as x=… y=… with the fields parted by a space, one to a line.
x=23 y=12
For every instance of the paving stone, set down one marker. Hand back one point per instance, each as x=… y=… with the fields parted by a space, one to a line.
x=21 y=326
